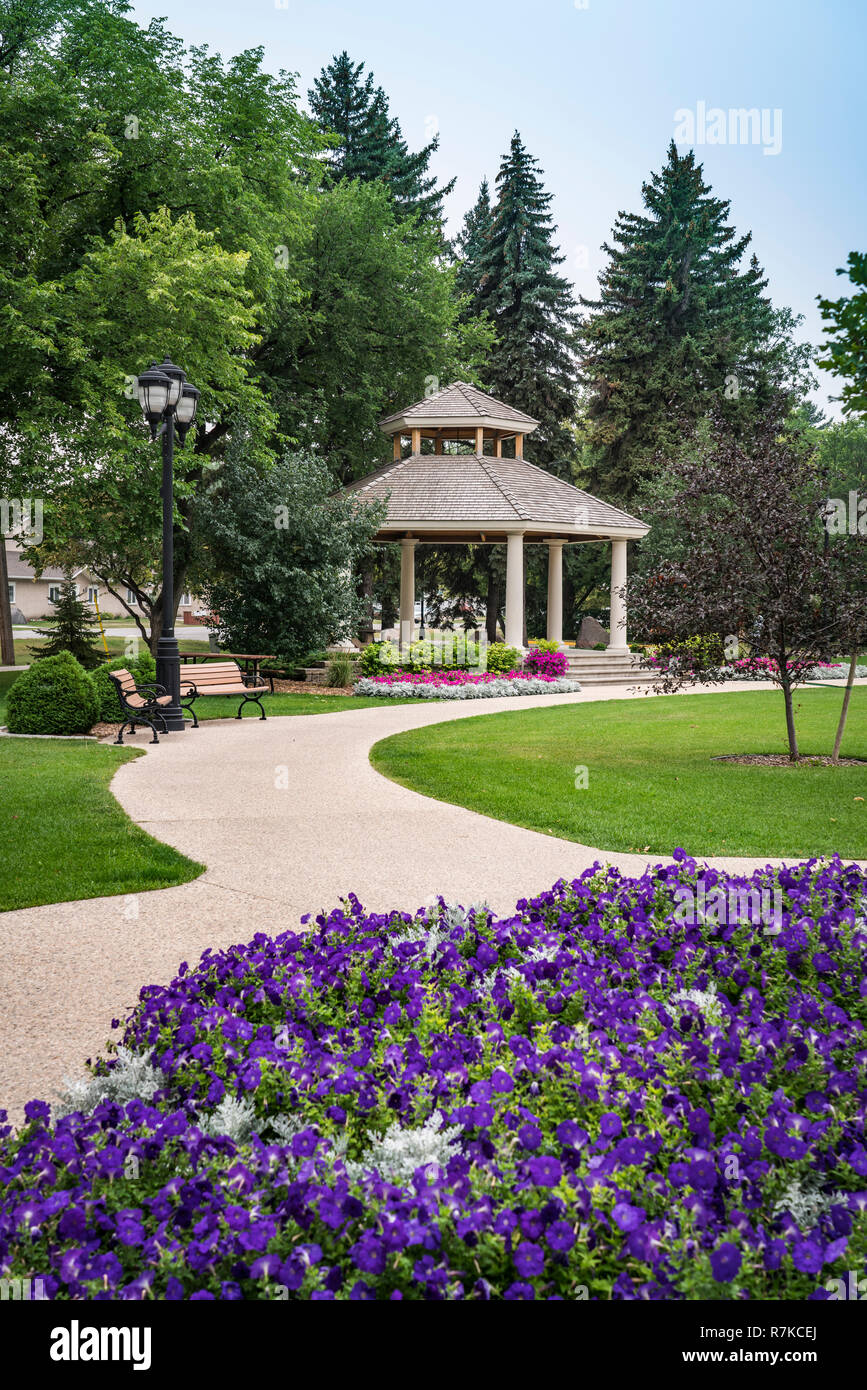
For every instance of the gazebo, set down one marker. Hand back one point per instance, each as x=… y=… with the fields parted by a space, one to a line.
x=485 y=497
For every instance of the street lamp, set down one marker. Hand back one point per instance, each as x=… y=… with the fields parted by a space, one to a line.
x=169 y=402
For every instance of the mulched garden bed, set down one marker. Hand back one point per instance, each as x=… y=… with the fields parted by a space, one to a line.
x=783 y=760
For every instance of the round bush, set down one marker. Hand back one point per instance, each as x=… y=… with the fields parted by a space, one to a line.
x=141 y=668
x=54 y=696
x=502 y=658
x=627 y=1089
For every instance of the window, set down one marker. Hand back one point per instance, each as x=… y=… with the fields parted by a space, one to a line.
x=11 y=587
x=186 y=600
x=53 y=593
x=92 y=593
x=131 y=599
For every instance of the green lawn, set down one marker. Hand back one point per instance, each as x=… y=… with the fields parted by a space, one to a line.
x=652 y=784
x=226 y=706
x=62 y=834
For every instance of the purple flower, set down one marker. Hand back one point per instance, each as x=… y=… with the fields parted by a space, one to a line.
x=529 y=1259
x=627 y=1217
x=545 y=1171
x=807 y=1256
x=725 y=1262
x=530 y=1136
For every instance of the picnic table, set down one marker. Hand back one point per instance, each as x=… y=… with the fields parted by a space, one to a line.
x=250 y=659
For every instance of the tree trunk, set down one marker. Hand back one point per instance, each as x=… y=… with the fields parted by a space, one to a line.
x=835 y=756
x=7 y=640
x=790 y=716
x=492 y=607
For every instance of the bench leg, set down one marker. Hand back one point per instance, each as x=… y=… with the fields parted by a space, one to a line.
x=250 y=700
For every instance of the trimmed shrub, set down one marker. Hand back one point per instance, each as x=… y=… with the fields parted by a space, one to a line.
x=378 y=657
x=141 y=668
x=502 y=658
x=55 y=696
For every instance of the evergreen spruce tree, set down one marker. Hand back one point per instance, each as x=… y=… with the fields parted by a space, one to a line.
x=470 y=244
x=678 y=327
x=346 y=102
x=532 y=364
x=73 y=630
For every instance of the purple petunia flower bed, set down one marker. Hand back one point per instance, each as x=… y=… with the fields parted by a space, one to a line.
x=608 y=1094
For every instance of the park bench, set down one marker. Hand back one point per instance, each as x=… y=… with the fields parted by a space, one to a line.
x=140 y=703
x=220 y=678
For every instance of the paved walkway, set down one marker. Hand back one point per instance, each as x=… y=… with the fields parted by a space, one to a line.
x=289 y=816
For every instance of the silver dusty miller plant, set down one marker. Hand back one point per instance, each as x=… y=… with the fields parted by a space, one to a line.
x=133 y=1077
x=398 y=1153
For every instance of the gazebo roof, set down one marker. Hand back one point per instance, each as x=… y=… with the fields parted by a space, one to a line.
x=459 y=405
x=465 y=497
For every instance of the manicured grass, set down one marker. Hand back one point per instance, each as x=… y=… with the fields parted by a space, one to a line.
x=62 y=834
x=225 y=707
x=26 y=647
x=652 y=784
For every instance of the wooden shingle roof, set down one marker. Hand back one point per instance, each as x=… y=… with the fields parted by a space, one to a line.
x=440 y=493
x=459 y=403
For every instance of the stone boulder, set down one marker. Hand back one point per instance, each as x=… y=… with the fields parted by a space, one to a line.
x=590 y=633
x=18 y=618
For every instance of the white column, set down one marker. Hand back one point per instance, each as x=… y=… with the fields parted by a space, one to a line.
x=617 y=633
x=515 y=589
x=407 y=591
x=555 y=591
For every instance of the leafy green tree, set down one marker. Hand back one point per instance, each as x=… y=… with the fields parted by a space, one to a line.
x=73 y=631
x=846 y=326
x=281 y=547
x=369 y=143
x=103 y=508
x=380 y=321
x=679 y=328
x=760 y=565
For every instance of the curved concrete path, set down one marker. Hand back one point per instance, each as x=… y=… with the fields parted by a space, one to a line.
x=289 y=816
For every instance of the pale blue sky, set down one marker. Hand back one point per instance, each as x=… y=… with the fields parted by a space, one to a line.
x=594 y=92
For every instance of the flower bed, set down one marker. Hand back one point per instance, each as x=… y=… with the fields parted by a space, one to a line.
x=463 y=685
x=751 y=668
x=623 y=1090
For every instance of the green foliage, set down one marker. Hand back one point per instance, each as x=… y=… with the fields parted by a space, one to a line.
x=531 y=306
x=280 y=547
x=678 y=327
x=378 y=658
x=543 y=645
x=54 y=696
x=73 y=631
x=368 y=142
x=502 y=658
x=846 y=325
x=141 y=668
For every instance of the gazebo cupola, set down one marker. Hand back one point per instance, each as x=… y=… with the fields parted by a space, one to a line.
x=442 y=494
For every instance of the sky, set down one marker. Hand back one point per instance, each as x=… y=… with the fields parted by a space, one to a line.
x=597 y=89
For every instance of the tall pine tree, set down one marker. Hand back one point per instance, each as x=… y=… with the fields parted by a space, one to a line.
x=470 y=244
x=532 y=364
x=678 y=326
x=346 y=102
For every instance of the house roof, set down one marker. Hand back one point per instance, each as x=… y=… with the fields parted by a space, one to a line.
x=459 y=405
x=463 y=495
x=19 y=568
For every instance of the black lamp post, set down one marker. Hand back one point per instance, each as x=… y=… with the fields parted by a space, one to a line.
x=169 y=404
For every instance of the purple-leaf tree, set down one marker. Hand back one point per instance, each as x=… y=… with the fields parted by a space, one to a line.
x=752 y=562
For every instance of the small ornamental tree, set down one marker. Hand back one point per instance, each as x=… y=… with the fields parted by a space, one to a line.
x=281 y=550
x=73 y=630
x=759 y=565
